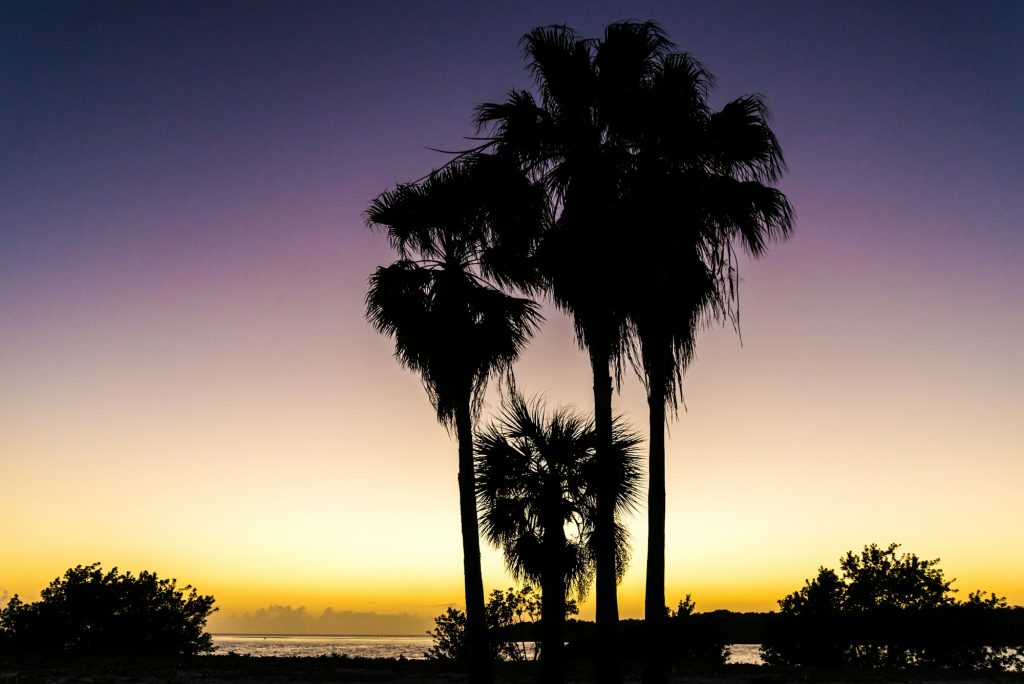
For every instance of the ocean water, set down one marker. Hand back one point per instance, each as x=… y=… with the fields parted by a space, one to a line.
x=411 y=647
x=744 y=654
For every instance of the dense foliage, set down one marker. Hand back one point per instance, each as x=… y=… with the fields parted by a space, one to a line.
x=91 y=612
x=890 y=610
x=689 y=637
x=690 y=642
x=507 y=612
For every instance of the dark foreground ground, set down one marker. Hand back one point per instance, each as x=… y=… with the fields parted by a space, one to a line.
x=249 y=670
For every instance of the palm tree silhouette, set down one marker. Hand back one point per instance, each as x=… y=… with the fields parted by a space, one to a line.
x=652 y=189
x=450 y=324
x=574 y=140
x=536 y=475
x=698 y=183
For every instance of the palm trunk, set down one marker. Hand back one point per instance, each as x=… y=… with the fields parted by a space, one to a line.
x=476 y=623
x=654 y=671
x=608 y=658
x=553 y=595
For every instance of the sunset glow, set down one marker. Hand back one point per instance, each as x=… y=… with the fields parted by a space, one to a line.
x=189 y=385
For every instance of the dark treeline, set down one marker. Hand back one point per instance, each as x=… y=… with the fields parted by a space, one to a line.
x=959 y=625
x=959 y=637
x=956 y=625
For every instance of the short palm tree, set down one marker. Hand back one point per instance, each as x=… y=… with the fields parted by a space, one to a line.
x=536 y=477
x=452 y=326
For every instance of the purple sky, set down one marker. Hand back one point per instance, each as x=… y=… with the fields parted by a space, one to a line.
x=184 y=258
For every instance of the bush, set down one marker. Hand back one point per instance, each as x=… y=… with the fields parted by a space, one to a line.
x=894 y=611
x=690 y=637
x=92 y=612
x=510 y=616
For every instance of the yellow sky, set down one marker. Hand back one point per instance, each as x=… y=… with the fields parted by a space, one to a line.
x=336 y=489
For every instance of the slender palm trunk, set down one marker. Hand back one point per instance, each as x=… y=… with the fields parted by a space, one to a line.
x=476 y=624
x=553 y=594
x=654 y=671
x=608 y=659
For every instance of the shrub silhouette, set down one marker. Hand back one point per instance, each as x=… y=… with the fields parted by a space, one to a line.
x=690 y=637
x=895 y=611
x=92 y=612
x=510 y=616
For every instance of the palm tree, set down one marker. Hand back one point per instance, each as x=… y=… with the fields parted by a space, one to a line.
x=623 y=138
x=451 y=325
x=536 y=475
x=570 y=140
x=697 y=185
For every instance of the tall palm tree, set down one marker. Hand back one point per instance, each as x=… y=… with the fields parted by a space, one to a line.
x=653 y=190
x=698 y=185
x=570 y=140
x=536 y=476
x=451 y=325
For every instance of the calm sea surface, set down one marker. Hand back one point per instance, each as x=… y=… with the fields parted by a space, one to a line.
x=411 y=647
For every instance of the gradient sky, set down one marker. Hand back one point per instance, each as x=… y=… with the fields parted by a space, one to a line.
x=187 y=384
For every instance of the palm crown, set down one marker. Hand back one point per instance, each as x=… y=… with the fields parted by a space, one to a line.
x=535 y=480
x=449 y=323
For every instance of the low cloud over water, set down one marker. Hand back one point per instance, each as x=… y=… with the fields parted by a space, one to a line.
x=277 y=619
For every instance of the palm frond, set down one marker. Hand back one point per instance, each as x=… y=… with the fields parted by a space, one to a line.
x=627 y=57
x=756 y=213
x=561 y=66
x=520 y=128
x=454 y=331
x=742 y=144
